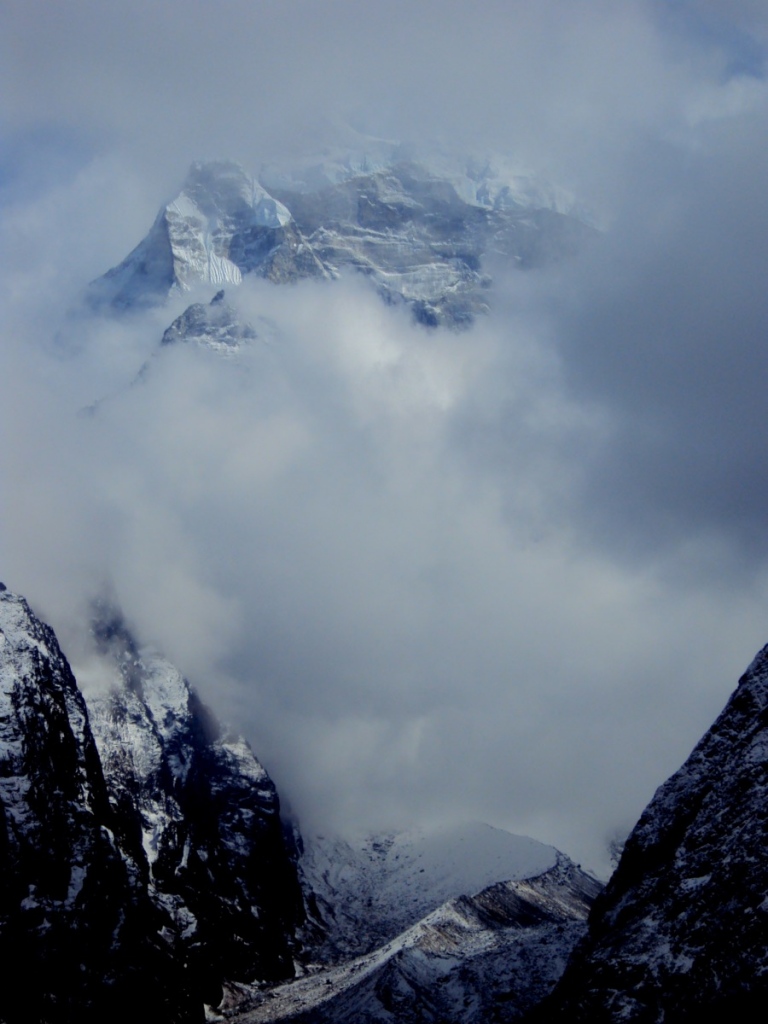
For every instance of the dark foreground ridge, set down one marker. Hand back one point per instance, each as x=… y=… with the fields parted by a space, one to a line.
x=680 y=934
x=142 y=870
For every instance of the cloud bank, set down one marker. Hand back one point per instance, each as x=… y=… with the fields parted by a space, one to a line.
x=507 y=574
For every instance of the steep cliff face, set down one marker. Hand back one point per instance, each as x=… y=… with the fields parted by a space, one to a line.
x=207 y=833
x=78 y=937
x=143 y=869
x=682 y=927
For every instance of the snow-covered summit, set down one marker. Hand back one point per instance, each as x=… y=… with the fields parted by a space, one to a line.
x=420 y=227
x=222 y=191
x=221 y=225
x=490 y=180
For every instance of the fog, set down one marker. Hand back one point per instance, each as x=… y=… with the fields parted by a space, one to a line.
x=507 y=574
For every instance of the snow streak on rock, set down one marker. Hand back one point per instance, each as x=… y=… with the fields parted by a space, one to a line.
x=208 y=836
x=420 y=232
x=72 y=919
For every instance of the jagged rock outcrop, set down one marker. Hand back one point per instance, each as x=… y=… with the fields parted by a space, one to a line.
x=421 y=235
x=215 y=326
x=202 y=819
x=222 y=225
x=681 y=931
x=78 y=937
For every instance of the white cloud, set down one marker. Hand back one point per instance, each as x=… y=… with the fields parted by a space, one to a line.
x=492 y=574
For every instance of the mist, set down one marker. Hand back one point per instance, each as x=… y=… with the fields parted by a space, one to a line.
x=507 y=574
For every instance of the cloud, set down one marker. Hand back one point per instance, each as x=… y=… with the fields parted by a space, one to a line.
x=510 y=573
x=662 y=330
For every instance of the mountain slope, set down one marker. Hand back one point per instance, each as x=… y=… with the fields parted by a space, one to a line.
x=73 y=918
x=368 y=891
x=209 y=835
x=494 y=954
x=681 y=930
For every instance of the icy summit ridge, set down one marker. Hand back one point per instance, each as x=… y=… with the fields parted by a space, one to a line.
x=419 y=231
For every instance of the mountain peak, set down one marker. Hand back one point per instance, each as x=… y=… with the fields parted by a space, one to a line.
x=419 y=230
x=215 y=326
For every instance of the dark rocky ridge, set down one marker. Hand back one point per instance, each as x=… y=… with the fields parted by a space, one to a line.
x=207 y=832
x=215 y=326
x=681 y=931
x=78 y=937
x=140 y=888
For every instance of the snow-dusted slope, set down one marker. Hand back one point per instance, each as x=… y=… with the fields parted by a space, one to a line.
x=209 y=833
x=214 y=326
x=681 y=932
x=369 y=890
x=494 y=954
x=421 y=231
x=76 y=930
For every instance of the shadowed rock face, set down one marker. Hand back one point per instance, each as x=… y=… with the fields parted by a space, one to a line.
x=78 y=938
x=143 y=869
x=208 y=834
x=683 y=925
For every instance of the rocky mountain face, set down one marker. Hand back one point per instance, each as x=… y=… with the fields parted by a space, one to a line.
x=681 y=931
x=215 y=326
x=144 y=864
x=146 y=871
x=423 y=236
x=487 y=956
x=78 y=936
x=205 y=819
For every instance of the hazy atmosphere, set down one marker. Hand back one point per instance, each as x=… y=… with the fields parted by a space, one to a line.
x=510 y=573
